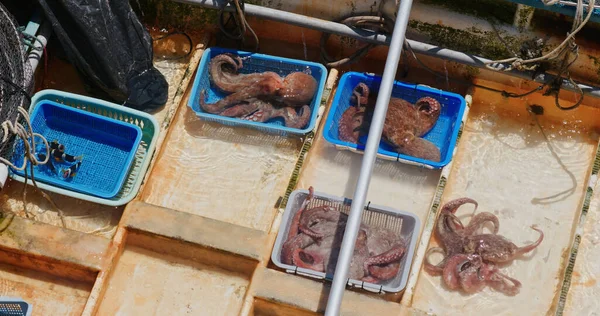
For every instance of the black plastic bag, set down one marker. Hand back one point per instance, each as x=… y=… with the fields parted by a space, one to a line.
x=110 y=47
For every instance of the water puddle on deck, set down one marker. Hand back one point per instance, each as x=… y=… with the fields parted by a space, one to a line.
x=230 y=174
x=526 y=170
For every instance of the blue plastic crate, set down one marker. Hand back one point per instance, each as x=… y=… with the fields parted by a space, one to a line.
x=13 y=306
x=444 y=134
x=108 y=146
x=255 y=63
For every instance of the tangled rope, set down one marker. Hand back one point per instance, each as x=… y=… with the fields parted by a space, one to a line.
x=504 y=93
x=240 y=26
x=566 y=49
x=377 y=23
x=27 y=134
x=567 y=45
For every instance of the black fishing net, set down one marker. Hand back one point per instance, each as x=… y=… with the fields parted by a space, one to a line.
x=111 y=49
x=16 y=79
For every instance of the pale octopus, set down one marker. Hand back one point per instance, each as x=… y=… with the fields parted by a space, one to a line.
x=470 y=257
x=259 y=97
x=314 y=240
x=404 y=125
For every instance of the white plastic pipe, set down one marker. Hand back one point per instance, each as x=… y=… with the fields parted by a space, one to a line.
x=340 y=276
x=376 y=38
x=42 y=39
x=3 y=175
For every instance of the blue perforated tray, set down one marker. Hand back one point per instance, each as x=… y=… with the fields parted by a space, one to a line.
x=255 y=63
x=108 y=147
x=11 y=306
x=443 y=134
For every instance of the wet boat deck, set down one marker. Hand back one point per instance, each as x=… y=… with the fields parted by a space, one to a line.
x=197 y=240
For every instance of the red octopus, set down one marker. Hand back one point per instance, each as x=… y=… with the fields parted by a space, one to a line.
x=404 y=124
x=259 y=97
x=315 y=237
x=470 y=258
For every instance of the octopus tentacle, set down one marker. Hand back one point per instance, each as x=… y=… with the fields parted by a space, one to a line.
x=479 y=220
x=308 y=260
x=370 y=279
x=229 y=80
x=294 y=226
x=385 y=272
x=451 y=208
x=288 y=249
x=242 y=109
x=431 y=268
x=321 y=213
x=429 y=112
x=530 y=247
x=294 y=240
x=210 y=108
x=351 y=124
x=505 y=284
x=455 y=266
x=267 y=86
x=470 y=280
x=389 y=256
x=219 y=76
x=291 y=117
x=454 y=222
x=361 y=97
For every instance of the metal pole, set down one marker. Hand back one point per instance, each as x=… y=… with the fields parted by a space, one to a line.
x=297 y=20
x=381 y=39
x=340 y=276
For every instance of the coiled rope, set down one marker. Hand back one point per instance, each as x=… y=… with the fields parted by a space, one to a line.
x=567 y=45
x=27 y=135
x=377 y=23
x=566 y=49
x=240 y=23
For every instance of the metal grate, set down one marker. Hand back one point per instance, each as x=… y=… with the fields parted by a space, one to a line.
x=405 y=224
x=369 y=217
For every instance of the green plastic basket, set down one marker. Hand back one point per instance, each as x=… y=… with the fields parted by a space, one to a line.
x=143 y=155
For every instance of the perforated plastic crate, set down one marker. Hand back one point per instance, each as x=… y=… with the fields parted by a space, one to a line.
x=376 y=217
x=444 y=134
x=254 y=63
x=11 y=306
x=107 y=145
x=143 y=155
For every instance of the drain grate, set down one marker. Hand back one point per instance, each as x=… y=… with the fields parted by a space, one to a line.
x=14 y=307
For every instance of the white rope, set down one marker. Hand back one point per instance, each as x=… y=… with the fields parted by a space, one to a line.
x=578 y=24
x=29 y=155
x=26 y=133
x=19 y=130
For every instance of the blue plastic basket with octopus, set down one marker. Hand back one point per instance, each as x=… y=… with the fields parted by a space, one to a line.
x=255 y=63
x=443 y=135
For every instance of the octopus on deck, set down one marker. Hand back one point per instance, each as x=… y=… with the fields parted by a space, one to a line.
x=259 y=97
x=470 y=257
x=404 y=124
x=314 y=240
